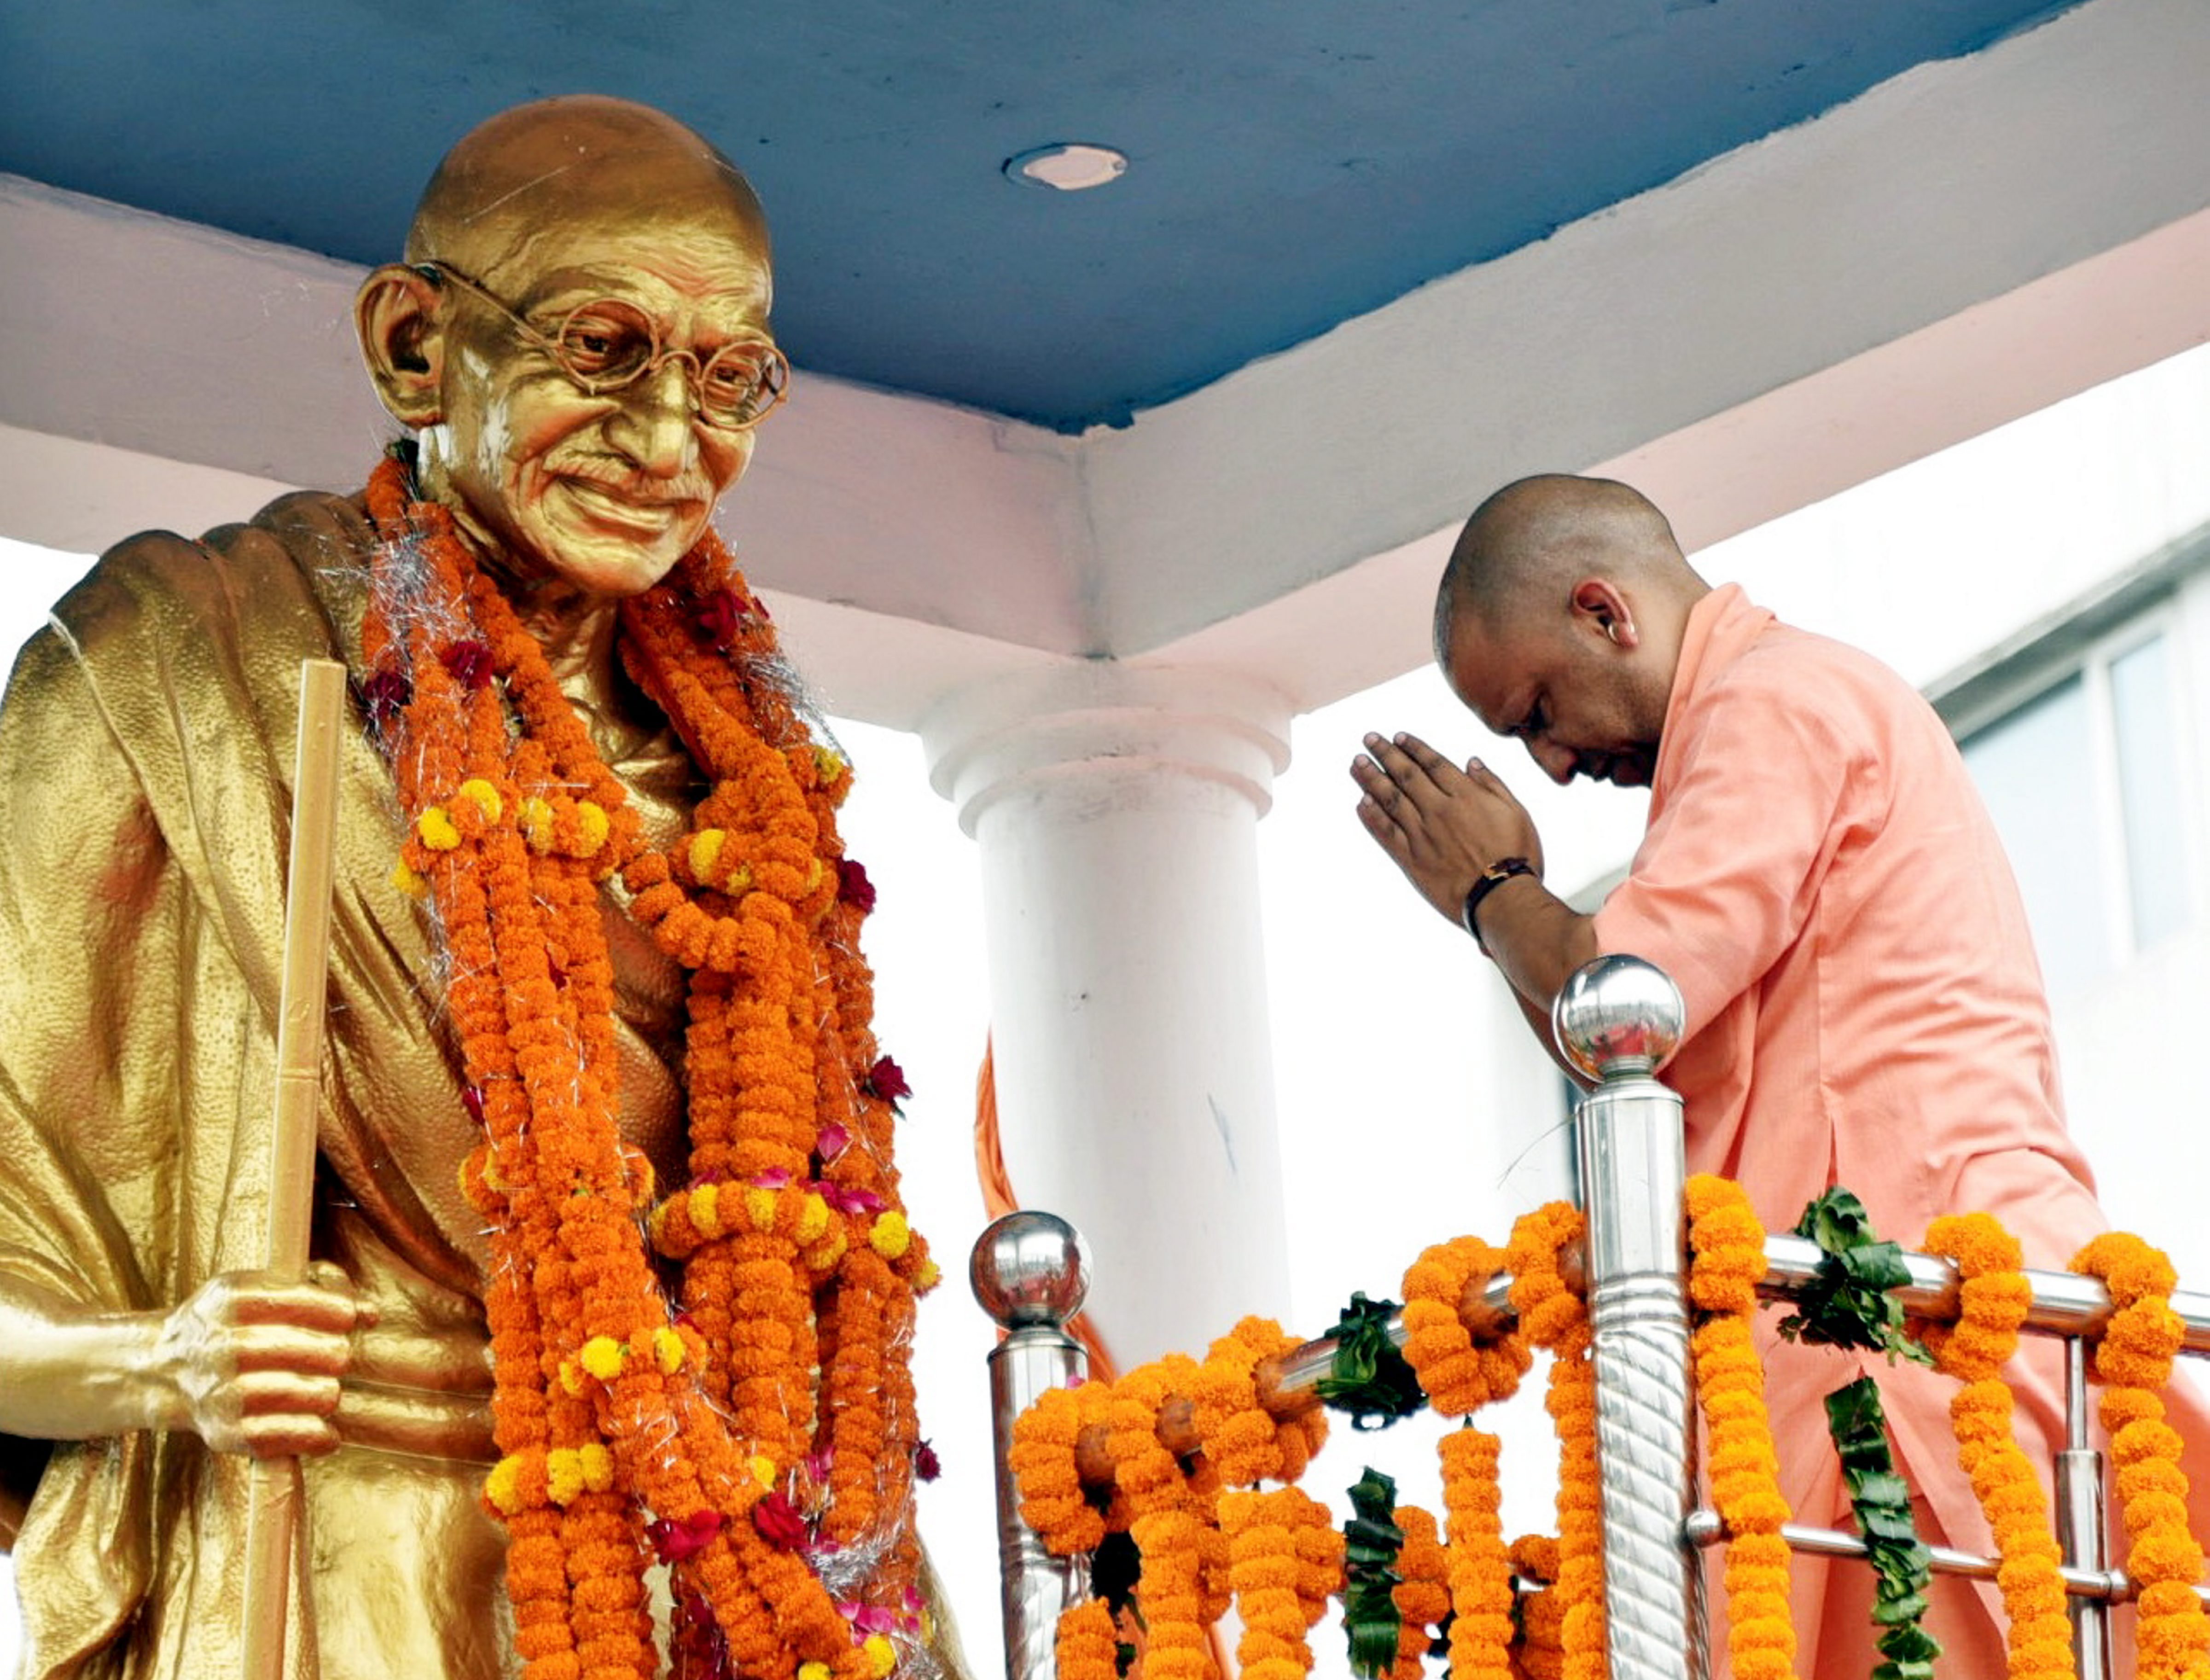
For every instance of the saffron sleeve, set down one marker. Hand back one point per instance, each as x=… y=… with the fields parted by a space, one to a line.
x=1752 y=816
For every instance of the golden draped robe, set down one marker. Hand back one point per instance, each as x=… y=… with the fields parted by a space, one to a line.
x=145 y=748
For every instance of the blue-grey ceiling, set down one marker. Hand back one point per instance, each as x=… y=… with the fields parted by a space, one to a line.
x=1294 y=162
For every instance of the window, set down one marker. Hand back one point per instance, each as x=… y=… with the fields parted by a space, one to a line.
x=2088 y=780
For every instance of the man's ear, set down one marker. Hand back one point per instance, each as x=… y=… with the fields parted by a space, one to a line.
x=402 y=340
x=1598 y=604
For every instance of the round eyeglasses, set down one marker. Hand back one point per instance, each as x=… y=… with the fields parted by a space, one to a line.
x=606 y=344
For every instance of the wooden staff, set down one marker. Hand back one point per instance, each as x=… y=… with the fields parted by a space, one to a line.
x=275 y=1516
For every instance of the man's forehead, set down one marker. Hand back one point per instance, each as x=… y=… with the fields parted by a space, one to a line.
x=1489 y=673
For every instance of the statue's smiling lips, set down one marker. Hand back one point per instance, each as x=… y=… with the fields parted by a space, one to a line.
x=645 y=512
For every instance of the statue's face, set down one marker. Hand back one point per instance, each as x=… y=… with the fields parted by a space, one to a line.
x=606 y=490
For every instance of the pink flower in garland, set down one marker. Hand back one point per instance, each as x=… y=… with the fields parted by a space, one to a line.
x=849 y=1200
x=926 y=1464
x=853 y=885
x=887 y=1080
x=469 y=663
x=721 y=615
x=779 y=1521
x=675 y=1538
x=385 y=696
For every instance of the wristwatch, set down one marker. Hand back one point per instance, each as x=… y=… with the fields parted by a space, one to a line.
x=1491 y=877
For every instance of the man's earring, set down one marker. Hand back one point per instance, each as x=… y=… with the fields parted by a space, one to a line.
x=1612 y=630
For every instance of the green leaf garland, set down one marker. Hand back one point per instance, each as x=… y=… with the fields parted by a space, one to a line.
x=1847 y=1303
x=1880 y=1501
x=1369 y=1380
x=1371 y=1543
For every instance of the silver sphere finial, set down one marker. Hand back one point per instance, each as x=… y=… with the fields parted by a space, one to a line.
x=1618 y=1016
x=1029 y=1268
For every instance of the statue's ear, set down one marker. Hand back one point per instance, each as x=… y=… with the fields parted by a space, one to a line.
x=402 y=340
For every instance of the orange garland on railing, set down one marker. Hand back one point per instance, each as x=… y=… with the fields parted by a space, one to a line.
x=1087 y=1646
x=1993 y=1301
x=1263 y=1531
x=2133 y=1359
x=1172 y=1593
x=1552 y=1315
x=616 y=1421
x=1422 y=1598
x=1247 y=1442
x=1042 y=1460
x=1479 y=1568
x=1185 y=1518
x=1727 y=1243
x=1459 y=1375
x=1540 y=1649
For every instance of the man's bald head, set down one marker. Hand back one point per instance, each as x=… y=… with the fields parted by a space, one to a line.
x=581 y=159
x=1526 y=547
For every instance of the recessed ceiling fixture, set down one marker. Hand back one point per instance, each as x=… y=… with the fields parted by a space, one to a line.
x=1066 y=166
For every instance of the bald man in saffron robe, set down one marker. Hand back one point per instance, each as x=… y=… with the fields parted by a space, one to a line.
x=1864 y=1007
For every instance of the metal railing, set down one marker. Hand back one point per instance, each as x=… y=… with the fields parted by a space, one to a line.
x=1618 y=1020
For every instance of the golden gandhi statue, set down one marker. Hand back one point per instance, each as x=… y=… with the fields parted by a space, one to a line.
x=569 y=713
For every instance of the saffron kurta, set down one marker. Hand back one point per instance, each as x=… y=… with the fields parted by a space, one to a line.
x=1864 y=1009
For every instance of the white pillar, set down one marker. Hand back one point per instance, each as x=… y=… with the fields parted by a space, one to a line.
x=1117 y=809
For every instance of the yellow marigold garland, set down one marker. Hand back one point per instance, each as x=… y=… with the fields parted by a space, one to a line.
x=1459 y=1375
x=1552 y=1315
x=2132 y=1360
x=1992 y=1303
x=1727 y=1243
x=1479 y=1567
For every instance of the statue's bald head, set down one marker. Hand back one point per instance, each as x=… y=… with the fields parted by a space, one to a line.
x=1526 y=547
x=579 y=160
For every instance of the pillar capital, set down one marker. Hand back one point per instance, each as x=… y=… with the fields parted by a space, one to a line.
x=1144 y=732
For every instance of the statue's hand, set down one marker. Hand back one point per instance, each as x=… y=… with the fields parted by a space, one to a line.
x=251 y=1364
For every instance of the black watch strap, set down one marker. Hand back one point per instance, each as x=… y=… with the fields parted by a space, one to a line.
x=1491 y=877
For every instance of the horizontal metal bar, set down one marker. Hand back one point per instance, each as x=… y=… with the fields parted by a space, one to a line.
x=2110 y=1586
x=2064 y=1304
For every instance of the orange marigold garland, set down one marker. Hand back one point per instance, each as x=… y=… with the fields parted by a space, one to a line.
x=1727 y=1243
x=1264 y=1567
x=1459 y=1375
x=1087 y=1646
x=1540 y=1648
x=1171 y=1590
x=613 y=1415
x=1992 y=1303
x=1423 y=1596
x=2132 y=1360
x=1552 y=1315
x=1042 y=1460
x=1479 y=1568
x=1245 y=1441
